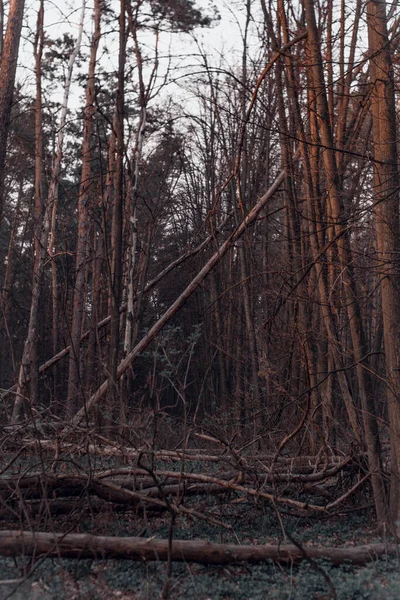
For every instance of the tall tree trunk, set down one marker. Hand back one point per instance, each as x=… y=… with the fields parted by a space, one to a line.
x=29 y=363
x=84 y=202
x=38 y=52
x=310 y=159
x=132 y=225
x=116 y=229
x=53 y=190
x=386 y=206
x=8 y=67
x=350 y=293
x=245 y=242
x=46 y=243
x=6 y=341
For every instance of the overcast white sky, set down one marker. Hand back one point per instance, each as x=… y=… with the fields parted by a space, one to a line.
x=222 y=40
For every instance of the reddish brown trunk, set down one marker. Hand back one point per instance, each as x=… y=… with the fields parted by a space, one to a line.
x=386 y=184
x=117 y=220
x=84 y=202
x=350 y=292
x=8 y=67
x=38 y=216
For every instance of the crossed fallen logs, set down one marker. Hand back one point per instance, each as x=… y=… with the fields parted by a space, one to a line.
x=63 y=485
x=74 y=545
x=139 y=487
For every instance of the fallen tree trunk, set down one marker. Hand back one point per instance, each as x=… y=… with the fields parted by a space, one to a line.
x=108 y=491
x=74 y=545
x=112 y=491
x=37 y=509
x=282 y=466
x=121 y=451
x=42 y=486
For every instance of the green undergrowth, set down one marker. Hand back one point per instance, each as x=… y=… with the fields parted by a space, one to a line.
x=252 y=524
x=85 y=579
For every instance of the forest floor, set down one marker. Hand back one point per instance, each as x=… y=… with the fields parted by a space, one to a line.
x=253 y=521
x=68 y=579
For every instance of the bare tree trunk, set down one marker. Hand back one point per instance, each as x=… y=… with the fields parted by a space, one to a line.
x=84 y=202
x=46 y=242
x=144 y=96
x=194 y=284
x=38 y=51
x=345 y=82
x=386 y=187
x=222 y=387
x=241 y=199
x=133 y=309
x=29 y=364
x=6 y=347
x=353 y=312
x=117 y=219
x=316 y=239
x=53 y=191
x=8 y=67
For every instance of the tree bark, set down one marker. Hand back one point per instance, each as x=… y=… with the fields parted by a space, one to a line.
x=350 y=293
x=81 y=545
x=217 y=256
x=46 y=243
x=84 y=201
x=38 y=216
x=316 y=240
x=117 y=220
x=386 y=207
x=8 y=67
x=54 y=187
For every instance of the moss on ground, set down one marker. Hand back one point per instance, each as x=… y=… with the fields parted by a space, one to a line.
x=90 y=580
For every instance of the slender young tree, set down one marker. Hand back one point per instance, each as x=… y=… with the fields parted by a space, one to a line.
x=53 y=194
x=38 y=215
x=85 y=200
x=116 y=250
x=46 y=244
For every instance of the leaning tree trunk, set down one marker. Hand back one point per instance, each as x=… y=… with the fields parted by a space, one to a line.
x=188 y=291
x=386 y=206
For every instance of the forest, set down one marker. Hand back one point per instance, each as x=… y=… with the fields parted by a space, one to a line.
x=199 y=299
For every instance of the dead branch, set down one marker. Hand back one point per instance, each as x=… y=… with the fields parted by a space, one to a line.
x=60 y=485
x=131 y=488
x=283 y=467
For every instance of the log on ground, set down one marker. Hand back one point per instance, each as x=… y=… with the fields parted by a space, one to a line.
x=74 y=545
